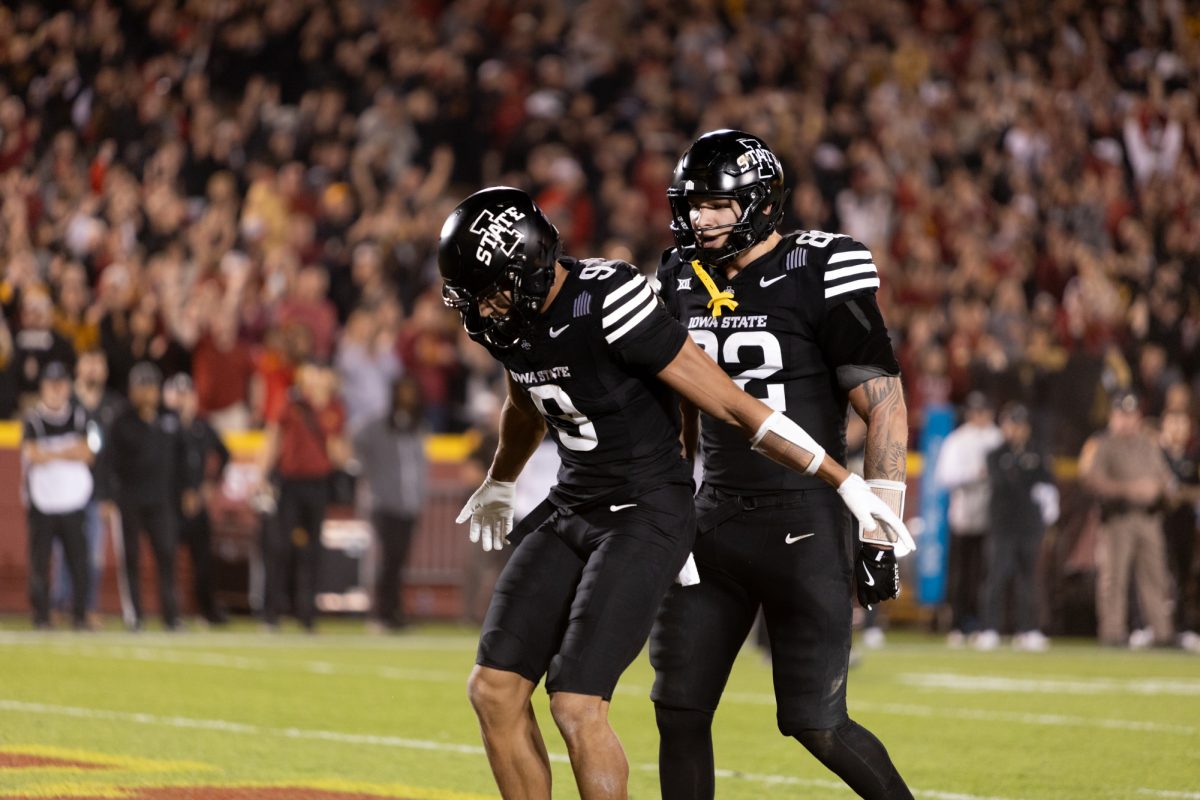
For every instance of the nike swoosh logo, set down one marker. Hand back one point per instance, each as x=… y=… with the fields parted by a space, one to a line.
x=763 y=282
x=555 y=332
x=622 y=508
x=789 y=538
x=870 y=578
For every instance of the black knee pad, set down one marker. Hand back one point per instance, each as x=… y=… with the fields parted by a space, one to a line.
x=821 y=742
x=683 y=724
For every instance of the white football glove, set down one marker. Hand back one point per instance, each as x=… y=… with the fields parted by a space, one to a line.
x=490 y=510
x=872 y=512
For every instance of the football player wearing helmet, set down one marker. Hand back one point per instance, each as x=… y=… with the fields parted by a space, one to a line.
x=592 y=355
x=793 y=320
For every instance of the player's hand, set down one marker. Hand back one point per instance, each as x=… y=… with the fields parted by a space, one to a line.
x=876 y=575
x=490 y=510
x=874 y=516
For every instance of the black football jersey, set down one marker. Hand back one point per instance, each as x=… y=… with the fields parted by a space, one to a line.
x=774 y=346
x=589 y=365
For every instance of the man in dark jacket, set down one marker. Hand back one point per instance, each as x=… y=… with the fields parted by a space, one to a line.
x=103 y=406
x=205 y=458
x=1024 y=500
x=147 y=457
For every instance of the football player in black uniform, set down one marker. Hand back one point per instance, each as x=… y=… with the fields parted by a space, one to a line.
x=583 y=343
x=793 y=320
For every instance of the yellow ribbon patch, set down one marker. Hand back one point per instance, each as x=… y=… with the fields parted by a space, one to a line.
x=720 y=300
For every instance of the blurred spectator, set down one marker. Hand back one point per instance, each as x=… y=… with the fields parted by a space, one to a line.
x=429 y=349
x=223 y=366
x=391 y=450
x=148 y=459
x=103 y=406
x=57 y=457
x=1023 y=501
x=302 y=452
x=204 y=459
x=1125 y=468
x=1179 y=524
x=368 y=368
x=36 y=345
x=274 y=369
x=962 y=470
x=73 y=318
x=307 y=306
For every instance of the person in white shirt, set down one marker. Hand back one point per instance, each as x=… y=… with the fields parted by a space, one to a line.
x=962 y=470
x=57 y=453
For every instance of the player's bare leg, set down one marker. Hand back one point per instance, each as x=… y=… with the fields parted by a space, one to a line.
x=511 y=736
x=597 y=758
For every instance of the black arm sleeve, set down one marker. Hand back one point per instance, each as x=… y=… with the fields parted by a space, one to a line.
x=855 y=342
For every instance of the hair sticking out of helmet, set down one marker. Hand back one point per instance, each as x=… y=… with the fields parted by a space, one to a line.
x=733 y=165
x=497 y=252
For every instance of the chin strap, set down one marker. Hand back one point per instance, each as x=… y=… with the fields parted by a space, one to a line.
x=720 y=300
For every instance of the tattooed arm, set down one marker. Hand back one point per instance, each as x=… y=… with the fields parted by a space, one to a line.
x=880 y=402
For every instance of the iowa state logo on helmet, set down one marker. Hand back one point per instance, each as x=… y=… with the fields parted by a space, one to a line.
x=497 y=232
x=756 y=155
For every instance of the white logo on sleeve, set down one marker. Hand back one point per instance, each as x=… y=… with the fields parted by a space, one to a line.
x=763 y=282
x=622 y=508
x=789 y=539
x=556 y=332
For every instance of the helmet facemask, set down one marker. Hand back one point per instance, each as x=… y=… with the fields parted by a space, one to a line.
x=502 y=329
x=752 y=226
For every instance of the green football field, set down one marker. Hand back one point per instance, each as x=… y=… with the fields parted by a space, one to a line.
x=241 y=715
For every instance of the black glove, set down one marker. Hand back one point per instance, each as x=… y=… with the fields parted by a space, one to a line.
x=876 y=575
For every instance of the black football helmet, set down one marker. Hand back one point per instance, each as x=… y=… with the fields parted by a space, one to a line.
x=730 y=164
x=497 y=240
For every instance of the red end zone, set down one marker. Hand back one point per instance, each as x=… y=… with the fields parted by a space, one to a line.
x=25 y=761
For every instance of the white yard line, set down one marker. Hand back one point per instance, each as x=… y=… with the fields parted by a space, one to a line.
x=1178 y=687
x=253 y=640
x=257 y=664
x=158 y=655
x=1052 y=720
x=226 y=726
x=1168 y=793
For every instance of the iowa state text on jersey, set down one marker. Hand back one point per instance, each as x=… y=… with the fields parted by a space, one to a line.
x=589 y=366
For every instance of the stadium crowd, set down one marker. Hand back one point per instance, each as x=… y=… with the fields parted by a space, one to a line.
x=233 y=189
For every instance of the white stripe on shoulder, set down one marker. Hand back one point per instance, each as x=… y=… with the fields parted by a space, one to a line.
x=836 y=274
x=623 y=289
x=638 y=317
x=640 y=297
x=866 y=283
x=850 y=255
